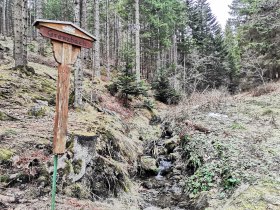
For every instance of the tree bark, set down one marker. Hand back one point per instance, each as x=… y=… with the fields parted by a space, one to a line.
x=20 y=32
x=175 y=61
x=107 y=40
x=184 y=76
x=78 y=72
x=10 y=18
x=137 y=41
x=4 y=18
x=25 y=30
x=97 y=43
x=40 y=39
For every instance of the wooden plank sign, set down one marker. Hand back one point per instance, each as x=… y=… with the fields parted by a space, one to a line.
x=67 y=40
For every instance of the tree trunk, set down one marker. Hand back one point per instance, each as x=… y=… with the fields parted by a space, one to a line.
x=10 y=18
x=137 y=41
x=84 y=14
x=41 y=41
x=118 y=42
x=97 y=43
x=175 y=61
x=25 y=30
x=107 y=40
x=4 y=19
x=78 y=72
x=184 y=77
x=20 y=32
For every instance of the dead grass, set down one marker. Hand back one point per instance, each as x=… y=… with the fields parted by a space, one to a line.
x=113 y=104
x=199 y=101
x=264 y=89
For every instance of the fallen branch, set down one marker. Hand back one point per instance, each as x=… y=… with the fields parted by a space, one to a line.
x=51 y=77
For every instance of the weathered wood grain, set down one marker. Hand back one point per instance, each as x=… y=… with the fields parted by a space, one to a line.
x=64 y=54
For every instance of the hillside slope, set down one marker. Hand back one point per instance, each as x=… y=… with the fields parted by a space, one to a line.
x=212 y=151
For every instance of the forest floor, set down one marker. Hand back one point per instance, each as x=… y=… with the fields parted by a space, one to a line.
x=234 y=156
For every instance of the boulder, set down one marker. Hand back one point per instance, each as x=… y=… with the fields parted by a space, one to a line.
x=38 y=110
x=148 y=164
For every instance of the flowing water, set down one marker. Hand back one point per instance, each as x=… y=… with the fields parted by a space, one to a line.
x=163 y=166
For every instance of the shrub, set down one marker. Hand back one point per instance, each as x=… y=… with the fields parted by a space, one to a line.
x=149 y=104
x=126 y=84
x=264 y=89
x=229 y=179
x=164 y=92
x=202 y=180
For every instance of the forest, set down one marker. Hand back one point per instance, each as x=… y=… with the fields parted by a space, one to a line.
x=168 y=110
x=180 y=39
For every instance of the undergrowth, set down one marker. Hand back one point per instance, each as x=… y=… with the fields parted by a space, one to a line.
x=206 y=165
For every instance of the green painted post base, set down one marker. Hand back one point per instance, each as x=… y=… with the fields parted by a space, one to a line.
x=54 y=182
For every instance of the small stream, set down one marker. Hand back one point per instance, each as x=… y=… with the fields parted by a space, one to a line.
x=163 y=166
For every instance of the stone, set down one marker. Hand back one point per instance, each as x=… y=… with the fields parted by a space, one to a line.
x=148 y=185
x=5 y=155
x=174 y=156
x=177 y=190
x=83 y=153
x=202 y=201
x=217 y=116
x=275 y=200
x=80 y=153
x=183 y=204
x=162 y=150
x=152 y=208
x=42 y=103
x=77 y=190
x=172 y=143
x=179 y=166
x=272 y=207
x=37 y=110
x=176 y=172
x=148 y=164
x=176 y=177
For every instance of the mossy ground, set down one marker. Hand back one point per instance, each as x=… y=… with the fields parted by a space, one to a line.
x=248 y=139
x=244 y=140
x=31 y=136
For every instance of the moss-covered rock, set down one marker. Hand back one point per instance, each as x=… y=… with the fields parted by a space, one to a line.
x=171 y=143
x=4 y=178
x=77 y=190
x=3 y=116
x=38 y=110
x=148 y=164
x=5 y=155
x=77 y=166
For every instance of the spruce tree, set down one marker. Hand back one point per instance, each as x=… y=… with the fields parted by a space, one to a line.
x=208 y=41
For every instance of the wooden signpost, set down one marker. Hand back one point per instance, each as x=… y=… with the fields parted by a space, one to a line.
x=67 y=40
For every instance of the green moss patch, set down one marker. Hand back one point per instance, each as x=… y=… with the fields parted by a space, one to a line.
x=5 y=155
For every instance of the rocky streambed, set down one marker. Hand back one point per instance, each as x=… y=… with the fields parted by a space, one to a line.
x=161 y=174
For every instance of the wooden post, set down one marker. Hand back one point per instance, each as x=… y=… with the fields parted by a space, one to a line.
x=65 y=55
x=67 y=40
